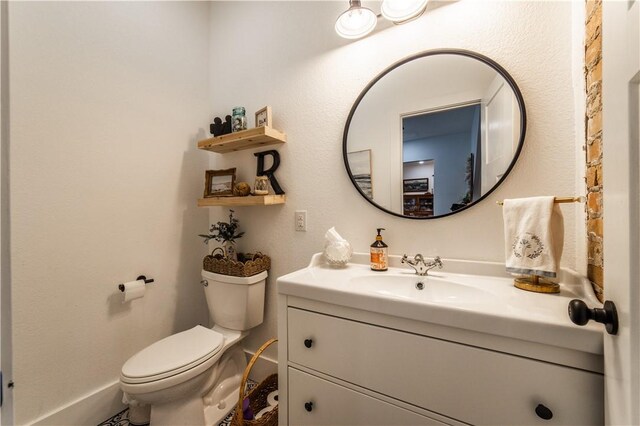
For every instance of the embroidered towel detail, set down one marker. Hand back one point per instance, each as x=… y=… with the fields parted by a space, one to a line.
x=534 y=236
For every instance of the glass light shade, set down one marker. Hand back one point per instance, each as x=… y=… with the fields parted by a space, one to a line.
x=402 y=10
x=356 y=22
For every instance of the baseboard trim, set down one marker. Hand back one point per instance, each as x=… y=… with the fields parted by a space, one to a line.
x=105 y=402
x=91 y=409
x=262 y=368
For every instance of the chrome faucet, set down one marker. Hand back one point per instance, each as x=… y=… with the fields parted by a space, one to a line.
x=420 y=265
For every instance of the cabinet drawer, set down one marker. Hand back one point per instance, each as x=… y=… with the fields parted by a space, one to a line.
x=336 y=405
x=473 y=385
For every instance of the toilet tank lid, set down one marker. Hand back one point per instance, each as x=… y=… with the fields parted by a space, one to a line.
x=176 y=352
x=230 y=279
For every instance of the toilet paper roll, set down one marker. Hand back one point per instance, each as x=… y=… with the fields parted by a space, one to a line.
x=272 y=398
x=264 y=411
x=133 y=290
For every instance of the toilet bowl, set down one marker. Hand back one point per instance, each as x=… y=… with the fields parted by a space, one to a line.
x=193 y=377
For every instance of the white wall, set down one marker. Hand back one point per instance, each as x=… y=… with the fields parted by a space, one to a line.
x=107 y=103
x=415 y=170
x=311 y=77
x=578 y=11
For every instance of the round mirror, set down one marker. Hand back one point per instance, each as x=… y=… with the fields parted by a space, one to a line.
x=434 y=134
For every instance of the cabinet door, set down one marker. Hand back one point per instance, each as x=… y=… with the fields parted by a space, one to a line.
x=470 y=384
x=315 y=401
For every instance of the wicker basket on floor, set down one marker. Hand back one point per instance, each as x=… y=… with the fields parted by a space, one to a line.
x=257 y=396
x=248 y=264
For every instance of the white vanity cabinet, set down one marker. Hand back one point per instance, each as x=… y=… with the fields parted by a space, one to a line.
x=462 y=382
x=357 y=365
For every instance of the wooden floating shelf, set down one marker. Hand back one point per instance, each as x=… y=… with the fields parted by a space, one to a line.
x=245 y=139
x=250 y=200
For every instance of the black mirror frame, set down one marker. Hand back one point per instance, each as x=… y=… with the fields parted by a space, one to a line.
x=461 y=52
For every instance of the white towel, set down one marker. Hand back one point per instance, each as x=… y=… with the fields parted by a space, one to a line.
x=534 y=236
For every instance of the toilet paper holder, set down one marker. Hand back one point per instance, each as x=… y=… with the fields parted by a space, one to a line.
x=141 y=277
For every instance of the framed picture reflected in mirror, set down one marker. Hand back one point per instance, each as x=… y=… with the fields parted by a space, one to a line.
x=415 y=185
x=361 y=169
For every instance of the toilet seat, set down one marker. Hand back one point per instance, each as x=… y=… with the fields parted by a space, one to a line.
x=172 y=355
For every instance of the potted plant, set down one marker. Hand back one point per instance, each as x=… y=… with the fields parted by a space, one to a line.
x=230 y=262
x=226 y=233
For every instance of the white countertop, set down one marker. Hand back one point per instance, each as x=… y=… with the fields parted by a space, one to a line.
x=472 y=295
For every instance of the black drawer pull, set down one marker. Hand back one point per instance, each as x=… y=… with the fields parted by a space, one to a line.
x=543 y=412
x=308 y=343
x=308 y=406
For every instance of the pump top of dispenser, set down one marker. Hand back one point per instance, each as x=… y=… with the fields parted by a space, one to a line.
x=378 y=242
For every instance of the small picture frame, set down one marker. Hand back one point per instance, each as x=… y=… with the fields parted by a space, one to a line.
x=219 y=183
x=415 y=185
x=263 y=117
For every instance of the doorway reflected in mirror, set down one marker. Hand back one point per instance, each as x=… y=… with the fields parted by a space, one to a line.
x=447 y=136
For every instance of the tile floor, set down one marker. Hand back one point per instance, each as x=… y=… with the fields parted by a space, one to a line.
x=122 y=418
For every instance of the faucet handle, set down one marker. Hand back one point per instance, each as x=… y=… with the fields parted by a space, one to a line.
x=418 y=258
x=438 y=262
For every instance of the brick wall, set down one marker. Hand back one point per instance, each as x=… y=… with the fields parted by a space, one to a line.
x=593 y=75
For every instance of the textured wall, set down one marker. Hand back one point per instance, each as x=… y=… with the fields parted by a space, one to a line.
x=287 y=55
x=107 y=102
x=595 y=190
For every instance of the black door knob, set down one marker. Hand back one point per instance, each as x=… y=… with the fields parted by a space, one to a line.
x=543 y=412
x=581 y=314
x=308 y=343
x=308 y=406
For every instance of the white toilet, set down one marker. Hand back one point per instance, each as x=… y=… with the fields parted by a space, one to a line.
x=193 y=377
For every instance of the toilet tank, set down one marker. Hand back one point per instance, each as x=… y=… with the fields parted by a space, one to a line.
x=236 y=303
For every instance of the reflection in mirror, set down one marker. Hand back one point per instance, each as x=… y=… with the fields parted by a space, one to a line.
x=434 y=134
x=360 y=162
x=448 y=141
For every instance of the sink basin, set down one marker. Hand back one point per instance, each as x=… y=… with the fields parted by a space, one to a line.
x=434 y=289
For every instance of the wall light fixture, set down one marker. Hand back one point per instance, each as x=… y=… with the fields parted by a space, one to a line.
x=401 y=11
x=358 y=21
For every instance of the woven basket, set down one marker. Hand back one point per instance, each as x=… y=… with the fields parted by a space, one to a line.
x=257 y=396
x=248 y=264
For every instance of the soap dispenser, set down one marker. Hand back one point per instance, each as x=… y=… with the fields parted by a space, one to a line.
x=379 y=254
